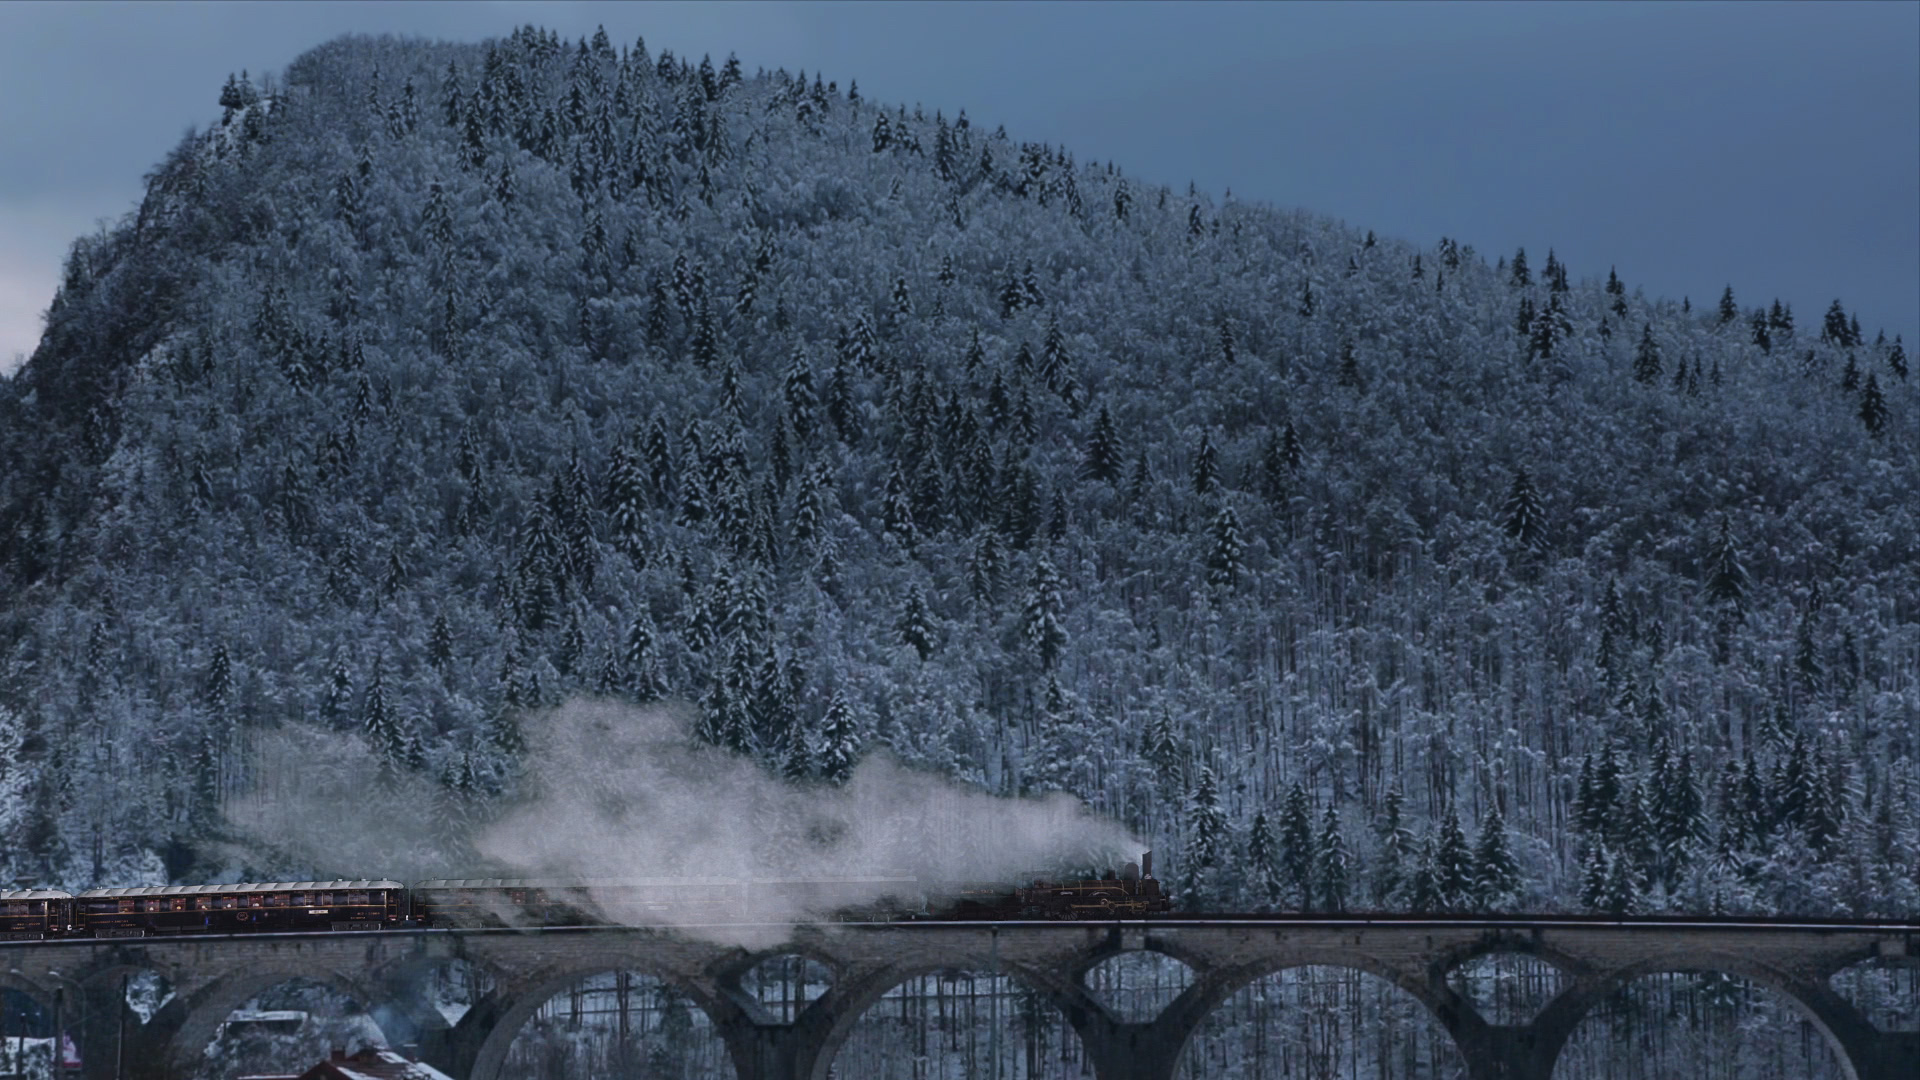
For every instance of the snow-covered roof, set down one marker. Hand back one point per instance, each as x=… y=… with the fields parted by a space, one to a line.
x=365 y=1065
x=242 y=887
x=375 y=1065
x=34 y=894
x=266 y=1016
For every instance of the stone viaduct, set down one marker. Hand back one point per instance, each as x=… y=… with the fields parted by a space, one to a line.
x=211 y=976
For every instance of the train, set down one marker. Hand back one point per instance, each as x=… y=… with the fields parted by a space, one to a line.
x=526 y=903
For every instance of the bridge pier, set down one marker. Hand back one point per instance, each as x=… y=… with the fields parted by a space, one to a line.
x=1132 y=1051
x=1894 y=1055
x=1504 y=1052
x=104 y=1030
x=773 y=1051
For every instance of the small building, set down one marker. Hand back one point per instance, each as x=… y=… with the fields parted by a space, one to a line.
x=373 y=1063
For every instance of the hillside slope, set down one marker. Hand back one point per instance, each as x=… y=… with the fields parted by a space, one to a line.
x=448 y=382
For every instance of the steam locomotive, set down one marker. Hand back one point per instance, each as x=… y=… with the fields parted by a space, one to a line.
x=369 y=904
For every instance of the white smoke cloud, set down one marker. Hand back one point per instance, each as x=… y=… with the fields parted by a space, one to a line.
x=615 y=793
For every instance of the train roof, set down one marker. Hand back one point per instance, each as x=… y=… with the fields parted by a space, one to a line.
x=242 y=887
x=603 y=883
x=34 y=894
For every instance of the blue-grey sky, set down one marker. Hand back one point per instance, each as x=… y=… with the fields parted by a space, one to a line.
x=1771 y=146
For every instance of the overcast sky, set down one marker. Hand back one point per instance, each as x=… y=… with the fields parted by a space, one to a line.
x=1771 y=146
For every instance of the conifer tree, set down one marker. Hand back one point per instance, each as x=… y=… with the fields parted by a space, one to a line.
x=1620 y=892
x=839 y=748
x=1550 y=327
x=1263 y=862
x=1453 y=864
x=1296 y=846
x=339 y=695
x=1423 y=887
x=216 y=688
x=1521 y=277
x=1206 y=822
x=440 y=644
x=1159 y=746
x=1780 y=319
x=896 y=512
x=1042 y=621
x=1331 y=859
x=1227 y=545
x=1522 y=515
x=1612 y=634
x=1524 y=317
x=1729 y=311
x=1395 y=851
x=1834 y=330
x=1206 y=467
x=1104 y=456
x=1726 y=577
x=1646 y=359
x=1349 y=375
x=1496 y=876
x=1012 y=299
x=1897 y=359
x=915 y=625
x=1873 y=408
x=626 y=504
x=381 y=724
x=1596 y=869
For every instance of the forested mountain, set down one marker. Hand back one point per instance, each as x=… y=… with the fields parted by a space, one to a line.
x=440 y=383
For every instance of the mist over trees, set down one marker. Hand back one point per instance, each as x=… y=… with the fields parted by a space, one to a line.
x=440 y=383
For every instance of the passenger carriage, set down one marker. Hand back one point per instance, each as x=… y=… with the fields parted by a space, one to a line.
x=33 y=914
x=222 y=909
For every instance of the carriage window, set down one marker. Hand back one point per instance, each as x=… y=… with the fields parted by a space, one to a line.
x=298 y=899
x=326 y=899
x=13 y=909
x=101 y=907
x=276 y=901
x=226 y=902
x=255 y=901
x=204 y=903
x=126 y=905
x=154 y=904
x=355 y=898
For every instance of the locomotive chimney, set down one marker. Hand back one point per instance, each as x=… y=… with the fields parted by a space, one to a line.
x=1146 y=865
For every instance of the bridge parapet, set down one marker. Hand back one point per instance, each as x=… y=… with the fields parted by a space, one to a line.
x=213 y=975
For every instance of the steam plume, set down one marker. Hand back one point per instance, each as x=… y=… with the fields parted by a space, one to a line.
x=611 y=792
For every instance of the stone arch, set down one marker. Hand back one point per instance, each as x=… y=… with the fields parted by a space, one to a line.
x=41 y=995
x=742 y=981
x=183 y=1028
x=834 y=1016
x=515 y=1004
x=1447 y=961
x=404 y=980
x=19 y=996
x=1208 y=992
x=1886 y=990
x=1845 y=1029
x=1505 y=986
x=1137 y=985
x=1463 y=1028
